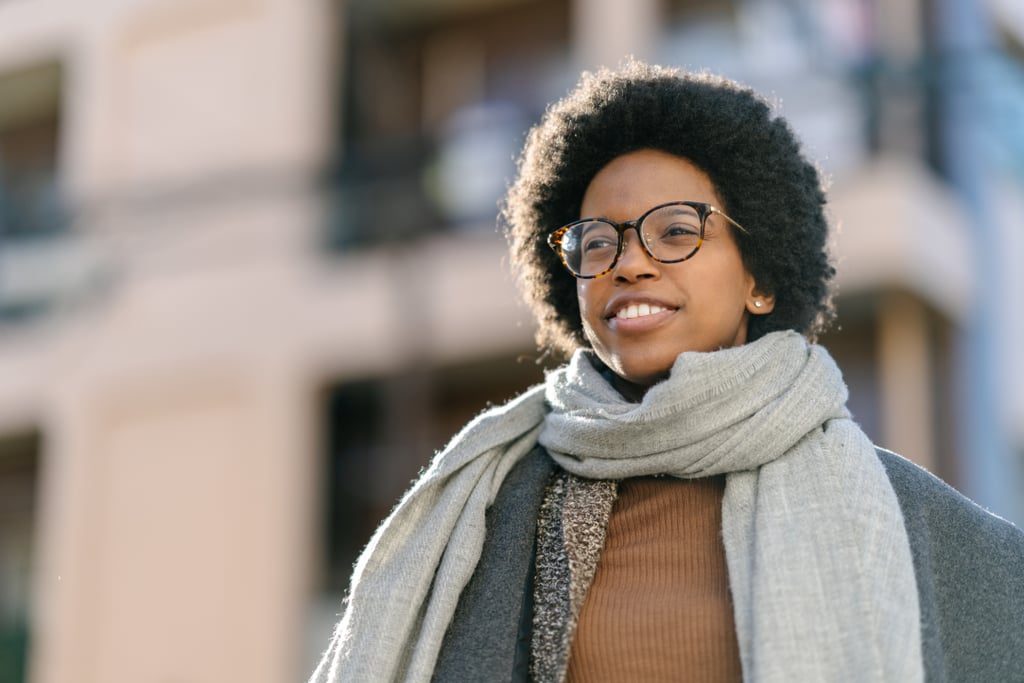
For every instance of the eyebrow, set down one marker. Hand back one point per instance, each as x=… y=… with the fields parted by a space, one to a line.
x=678 y=209
x=684 y=210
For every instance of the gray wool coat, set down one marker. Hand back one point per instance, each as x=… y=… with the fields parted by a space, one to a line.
x=969 y=566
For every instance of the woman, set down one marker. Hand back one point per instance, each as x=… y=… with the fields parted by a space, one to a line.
x=687 y=498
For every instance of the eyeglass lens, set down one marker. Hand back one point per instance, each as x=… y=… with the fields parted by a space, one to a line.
x=670 y=233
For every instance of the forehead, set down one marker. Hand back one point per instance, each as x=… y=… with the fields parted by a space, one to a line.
x=634 y=182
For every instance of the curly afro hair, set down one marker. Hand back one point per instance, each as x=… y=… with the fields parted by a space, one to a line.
x=752 y=158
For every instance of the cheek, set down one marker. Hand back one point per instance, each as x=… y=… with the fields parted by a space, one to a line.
x=581 y=296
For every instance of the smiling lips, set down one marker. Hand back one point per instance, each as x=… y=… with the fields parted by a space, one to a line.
x=639 y=316
x=638 y=310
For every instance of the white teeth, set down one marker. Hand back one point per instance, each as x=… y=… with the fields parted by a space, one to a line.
x=638 y=310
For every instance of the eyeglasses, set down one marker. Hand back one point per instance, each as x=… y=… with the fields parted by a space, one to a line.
x=669 y=233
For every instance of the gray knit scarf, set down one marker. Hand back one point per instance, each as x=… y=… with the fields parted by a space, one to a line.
x=819 y=561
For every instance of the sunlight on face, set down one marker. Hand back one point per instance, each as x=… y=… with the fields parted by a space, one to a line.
x=640 y=316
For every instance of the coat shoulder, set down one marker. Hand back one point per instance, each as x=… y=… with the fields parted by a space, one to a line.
x=924 y=498
x=969 y=565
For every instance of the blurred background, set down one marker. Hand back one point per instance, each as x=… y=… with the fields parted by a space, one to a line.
x=250 y=279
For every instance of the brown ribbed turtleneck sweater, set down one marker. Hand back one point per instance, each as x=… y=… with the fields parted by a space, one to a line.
x=659 y=607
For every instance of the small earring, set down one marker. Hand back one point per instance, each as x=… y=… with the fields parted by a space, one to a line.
x=758 y=304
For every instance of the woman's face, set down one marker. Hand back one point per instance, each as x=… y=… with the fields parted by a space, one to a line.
x=701 y=304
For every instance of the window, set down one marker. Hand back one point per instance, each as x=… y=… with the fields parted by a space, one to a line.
x=435 y=103
x=29 y=133
x=380 y=432
x=354 y=455
x=30 y=206
x=19 y=456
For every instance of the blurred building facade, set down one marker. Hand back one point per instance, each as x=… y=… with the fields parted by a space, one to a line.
x=250 y=279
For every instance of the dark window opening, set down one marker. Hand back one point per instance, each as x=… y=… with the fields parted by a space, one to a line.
x=434 y=107
x=853 y=343
x=19 y=475
x=30 y=204
x=353 y=414
x=381 y=432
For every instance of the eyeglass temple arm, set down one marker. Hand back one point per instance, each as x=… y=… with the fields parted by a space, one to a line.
x=741 y=228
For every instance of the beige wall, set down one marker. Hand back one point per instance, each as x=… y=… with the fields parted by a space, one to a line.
x=174 y=453
x=179 y=486
x=177 y=547
x=174 y=531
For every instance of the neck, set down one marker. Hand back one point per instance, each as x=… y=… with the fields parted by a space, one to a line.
x=631 y=391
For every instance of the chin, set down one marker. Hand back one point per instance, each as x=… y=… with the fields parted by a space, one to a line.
x=642 y=374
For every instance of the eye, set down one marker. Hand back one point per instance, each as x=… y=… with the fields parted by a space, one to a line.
x=679 y=229
x=595 y=236
x=598 y=242
x=675 y=233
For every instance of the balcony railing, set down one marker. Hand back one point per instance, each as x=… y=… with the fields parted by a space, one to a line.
x=401 y=188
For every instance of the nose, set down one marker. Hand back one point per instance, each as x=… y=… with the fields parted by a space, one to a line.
x=634 y=263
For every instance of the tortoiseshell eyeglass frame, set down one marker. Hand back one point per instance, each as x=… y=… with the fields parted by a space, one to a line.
x=703 y=211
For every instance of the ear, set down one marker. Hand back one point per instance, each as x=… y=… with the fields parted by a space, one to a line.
x=760 y=303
